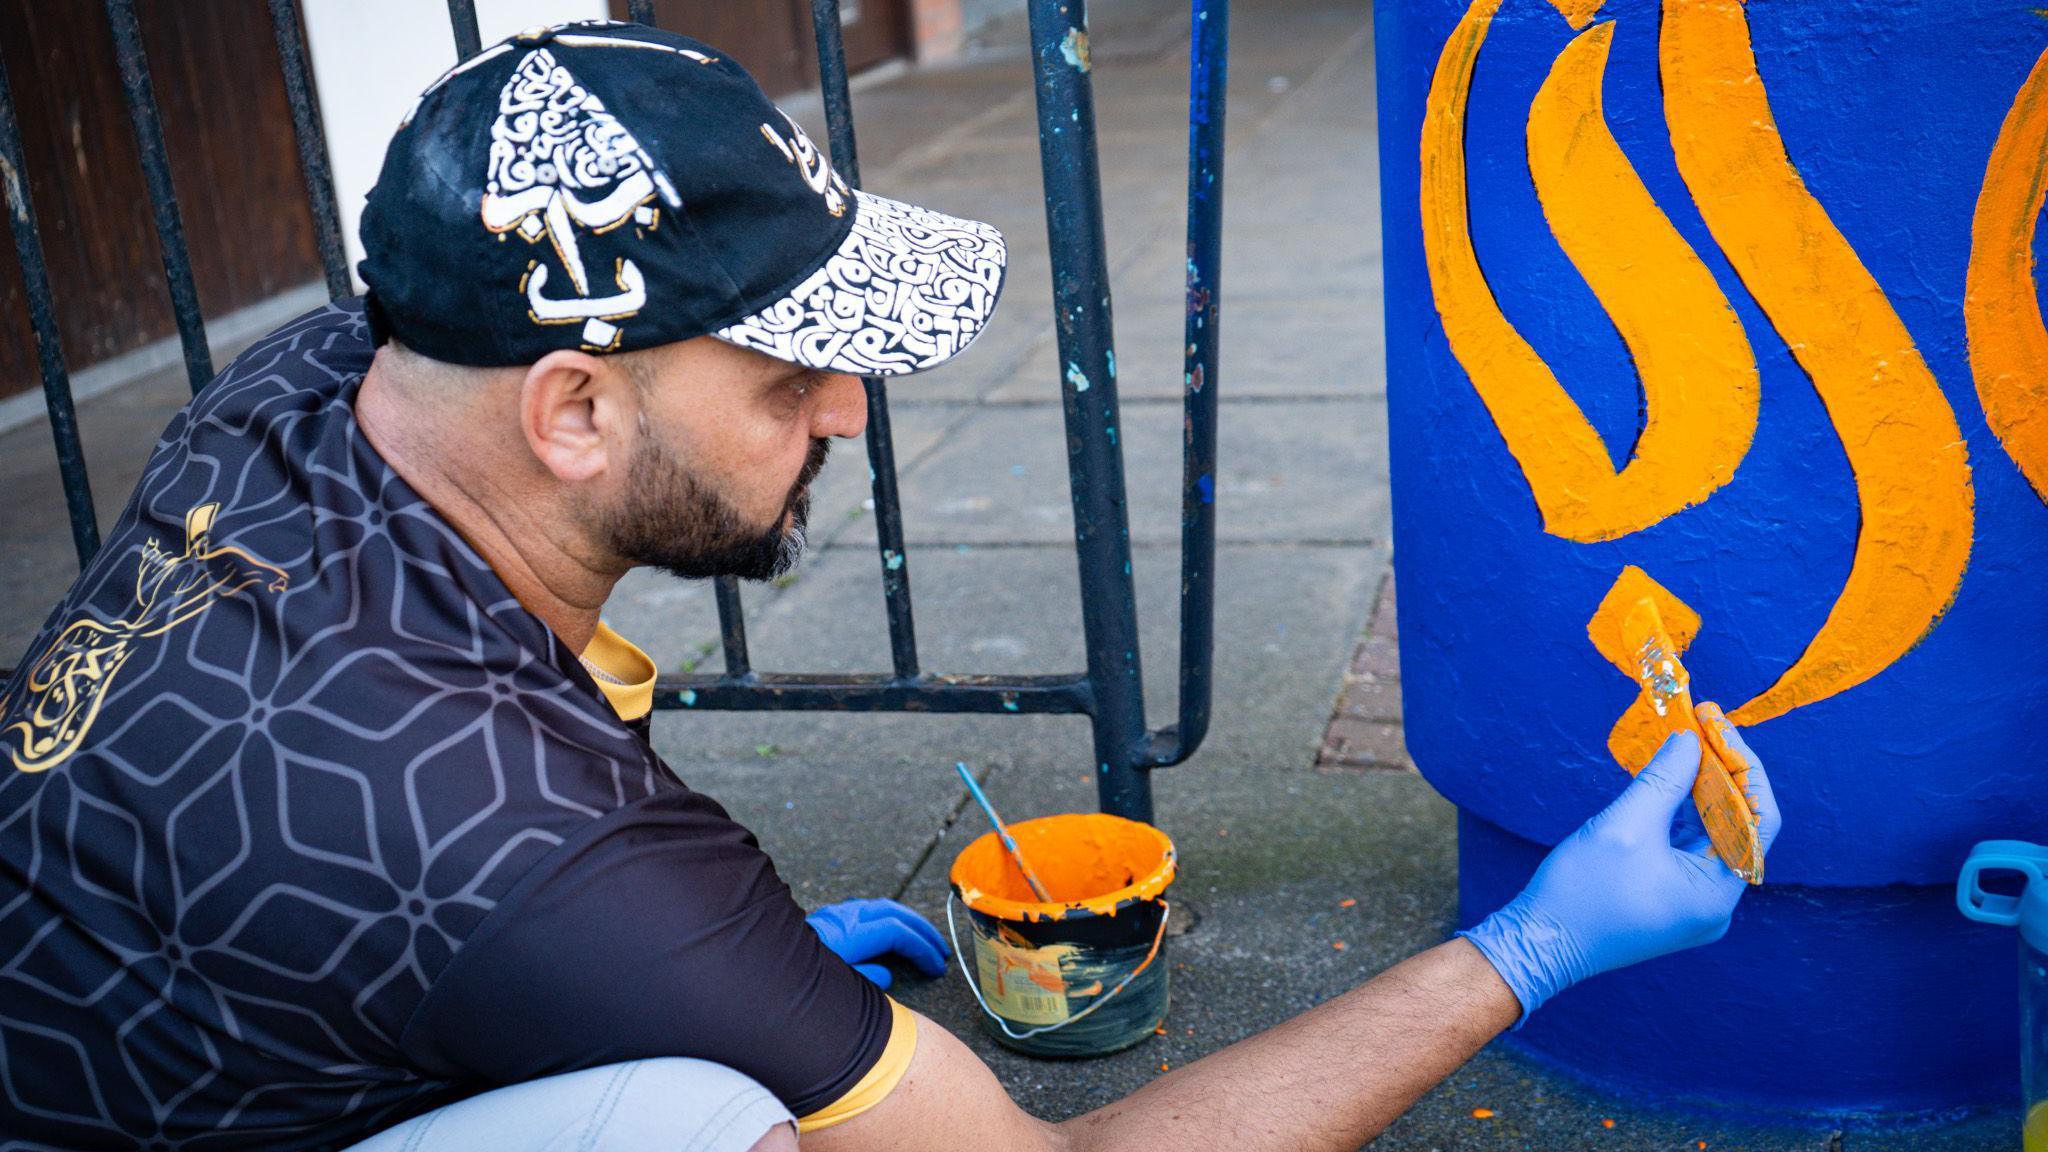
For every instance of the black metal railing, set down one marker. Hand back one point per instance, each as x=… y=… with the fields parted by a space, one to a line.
x=1110 y=691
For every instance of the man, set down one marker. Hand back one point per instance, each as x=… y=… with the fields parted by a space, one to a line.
x=331 y=814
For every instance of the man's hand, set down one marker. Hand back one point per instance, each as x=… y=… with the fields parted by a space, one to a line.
x=1628 y=886
x=862 y=932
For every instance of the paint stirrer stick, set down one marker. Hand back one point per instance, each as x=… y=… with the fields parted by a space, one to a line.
x=1002 y=833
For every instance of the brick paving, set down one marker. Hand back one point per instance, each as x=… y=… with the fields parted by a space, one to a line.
x=1365 y=731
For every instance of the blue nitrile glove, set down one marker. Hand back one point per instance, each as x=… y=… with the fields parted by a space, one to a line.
x=861 y=932
x=1636 y=881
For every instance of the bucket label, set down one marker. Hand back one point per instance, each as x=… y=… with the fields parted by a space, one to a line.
x=1022 y=985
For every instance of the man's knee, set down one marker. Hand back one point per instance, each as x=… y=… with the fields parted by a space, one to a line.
x=695 y=1104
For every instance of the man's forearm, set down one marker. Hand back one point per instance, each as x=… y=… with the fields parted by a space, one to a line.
x=1329 y=1078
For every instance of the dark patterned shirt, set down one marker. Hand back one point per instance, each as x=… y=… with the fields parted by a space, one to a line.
x=307 y=826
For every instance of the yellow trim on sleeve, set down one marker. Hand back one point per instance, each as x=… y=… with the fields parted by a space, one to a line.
x=880 y=1080
x=623 y=672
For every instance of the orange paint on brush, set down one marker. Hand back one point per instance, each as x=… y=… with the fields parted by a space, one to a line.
x=2001 y=304
x=1640 y=731
x=1911 y=467
x=1652 y=661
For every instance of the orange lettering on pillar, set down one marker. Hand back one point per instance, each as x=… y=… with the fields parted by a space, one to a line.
x=1698 y=374
x=2001 y=308
x=1911 y=468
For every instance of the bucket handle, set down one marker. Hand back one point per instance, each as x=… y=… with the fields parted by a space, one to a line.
x=974 y=986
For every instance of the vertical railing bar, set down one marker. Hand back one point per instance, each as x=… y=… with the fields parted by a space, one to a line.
x=640 y=12
x=1095 y=466
x=156 y=170
x=312 y=141
x=1208 y=84
x=881 y=438
x=462 y=19
x=732 y=626
x=28 y=250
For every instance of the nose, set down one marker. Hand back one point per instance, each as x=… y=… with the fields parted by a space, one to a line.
x=842 y=407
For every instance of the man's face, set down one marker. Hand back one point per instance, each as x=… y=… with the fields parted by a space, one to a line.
x=719 y=477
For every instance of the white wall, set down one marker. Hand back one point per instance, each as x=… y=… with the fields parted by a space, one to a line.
x=371 y=57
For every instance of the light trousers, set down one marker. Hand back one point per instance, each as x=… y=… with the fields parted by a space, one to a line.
x=667 y=1105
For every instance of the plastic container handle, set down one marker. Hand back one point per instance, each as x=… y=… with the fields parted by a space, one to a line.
x=2030 y=860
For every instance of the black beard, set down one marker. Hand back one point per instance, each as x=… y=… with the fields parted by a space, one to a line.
x=672 y=522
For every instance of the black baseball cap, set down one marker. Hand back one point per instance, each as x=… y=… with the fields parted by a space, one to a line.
x=610 y=187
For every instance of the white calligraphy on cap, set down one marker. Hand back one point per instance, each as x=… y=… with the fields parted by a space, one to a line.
x=810 y=163
x=559 y=160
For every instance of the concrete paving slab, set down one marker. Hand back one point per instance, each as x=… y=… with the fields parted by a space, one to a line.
x=1273 y=347
x=38 y=562
x=1287 y=470
x=1285 y=621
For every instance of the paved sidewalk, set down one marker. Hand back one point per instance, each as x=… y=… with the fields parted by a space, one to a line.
x=1313 y=854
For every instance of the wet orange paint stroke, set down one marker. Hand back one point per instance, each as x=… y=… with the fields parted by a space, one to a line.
x=1911 y=467
x=1698 y=373
x=1578 y=13
x=1640 y=731
x=1696 y=445
x=2001 y=310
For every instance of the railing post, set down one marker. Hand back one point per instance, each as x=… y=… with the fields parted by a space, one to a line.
x=312 y=141
x=163 y=197
x=28 y=249
x=881 y=440
x=1095 y=463
x=1208 y=83
x=462 y=21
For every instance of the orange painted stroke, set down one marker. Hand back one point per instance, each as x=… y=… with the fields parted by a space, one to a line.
x=1701 y=411
x=2002 y=313
x=1640 y=731
x=1911 y=467
x=1698 y=373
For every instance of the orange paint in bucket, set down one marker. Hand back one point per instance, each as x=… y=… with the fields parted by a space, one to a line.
x=1079 y=975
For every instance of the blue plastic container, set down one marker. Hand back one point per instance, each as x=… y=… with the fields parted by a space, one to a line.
x=2028 y=910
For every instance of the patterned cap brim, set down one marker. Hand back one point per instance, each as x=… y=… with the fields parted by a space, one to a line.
x=906 y=290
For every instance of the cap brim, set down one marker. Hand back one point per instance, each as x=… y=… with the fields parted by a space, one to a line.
x=907 y=290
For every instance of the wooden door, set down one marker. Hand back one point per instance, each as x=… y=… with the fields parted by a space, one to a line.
x=235 y=166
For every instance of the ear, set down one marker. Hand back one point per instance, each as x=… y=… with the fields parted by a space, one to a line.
x=576 y=411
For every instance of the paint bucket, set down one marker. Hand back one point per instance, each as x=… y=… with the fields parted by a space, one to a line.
x=1082 y=975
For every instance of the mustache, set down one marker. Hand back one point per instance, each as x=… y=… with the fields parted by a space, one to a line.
x=813 y=464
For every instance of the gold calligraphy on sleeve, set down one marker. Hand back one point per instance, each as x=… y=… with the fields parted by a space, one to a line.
x=61 y=693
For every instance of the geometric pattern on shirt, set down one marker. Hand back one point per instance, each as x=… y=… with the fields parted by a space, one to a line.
x=218 y=913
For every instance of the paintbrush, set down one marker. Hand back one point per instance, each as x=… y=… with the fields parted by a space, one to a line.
x=1002 y=833
x=1718 y=792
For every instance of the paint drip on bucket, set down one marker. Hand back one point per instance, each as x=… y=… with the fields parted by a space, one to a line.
x=1082 y=975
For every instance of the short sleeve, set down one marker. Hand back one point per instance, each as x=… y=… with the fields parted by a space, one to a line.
x=661 y=930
